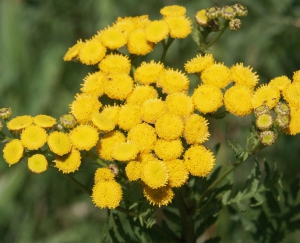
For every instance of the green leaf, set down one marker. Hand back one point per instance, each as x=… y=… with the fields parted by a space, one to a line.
x=196 y=36
x=172 y=216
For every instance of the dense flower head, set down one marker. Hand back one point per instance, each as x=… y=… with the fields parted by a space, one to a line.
x=126 y=25
x=129 y=116
x=133 y=170
x=19 y=123
x=169 y=126
x=179 y=104
x=178 y=174
x=140 y=94
x=173 y=10
x=152 y=109
x=59 y=143
x=115 y=63
x=84 y=137
x=138 y=44
x=161 y=196
x=265 y=95
x=102 y=122
x=103 y=174
x=201 y=18
x=148 y=72
x=243 y=75
x=168 y=150
x=37 y=163
x=73 y=52
x=156 y=31
x=91 y=52
x=196 y=129
x=113 y=38
x=280 y=82
x=118 y=86
x=44 y=121
x=69 y=162
x=294 y=125
x=217 y=74
x=154 y=174
x=125 y=151
x=94 y=84
x=33 y=137
x=296 y=76
x=291 y=94
x=199 y=63
x=111 y=112
x=180 y=26
x=13 y=151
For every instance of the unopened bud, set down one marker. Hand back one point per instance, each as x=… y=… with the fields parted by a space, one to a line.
x=114 y=169
x=200 y=18
x=263 y=109
x=267 y=138
x=282 y=109
x=213 y=12
x=5 y=112
x=283 y=121
x=68 y=120
x=264 y=122
x=241 y=10
x=235 y=24
x=228 y=12
x=1 y=126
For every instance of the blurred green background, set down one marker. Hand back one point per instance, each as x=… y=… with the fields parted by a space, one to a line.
x=35 y=34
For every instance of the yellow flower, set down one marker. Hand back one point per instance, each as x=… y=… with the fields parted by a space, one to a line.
x=169 y=127
x=172 y=81
x=140 y=94
x=168 y=150
x=291 y=94
x=102 y=122
x=44 y=121
x=115 y=64
x=118 y=86
x=84 y=137
x=154 y=174
x=145 y=157
x=265 y=95
x=133 y=170
x=161 y=196
x=152 y=109
x=13 y=151
x=141 y=22
x=178 y=174
x=199 y=161
x=107 y=194
x=207 y=98
x=107 y=143
x=217 y=74
x=199 y=63
x=94 y=84
x=243 y=75
x=103 y=174
x=125 y=151
x=148 y=72
x=59 y=143
x=144 y=136
x=173 y=10
x=280 y=83
x=180 y=26
x=33 y=137
x=137 y=43
x=19 y=122
x=73 y=52
x=296 y=76
x=126 y=25
x=238 y=100
x=179 y=104
x=111 y=112
x=294 y=126
x=129 y=116
x=196 y=129
x=84 y=106
x=113 y=38
x=201 y=18
x=156 y=31
x=37 y=163
x=68 y=120
x=68 y=163
x=92 y=52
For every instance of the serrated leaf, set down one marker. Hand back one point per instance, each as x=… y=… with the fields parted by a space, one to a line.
x=237 y=149
x=196 y=36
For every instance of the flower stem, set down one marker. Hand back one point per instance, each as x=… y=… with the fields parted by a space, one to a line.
x=166 y=47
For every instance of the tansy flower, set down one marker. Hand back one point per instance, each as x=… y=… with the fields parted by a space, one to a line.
x=148 y=72
x=125 y=151
x=296 y=76
x=84 y=137
x=207 y=98
x=144 y=136
x=141 y=22
x=102 y=122
x=37 y=163
x=152 y=109
x=68 y=163
x=73 y=52
x=59 y=143
x=238 y=100
x=265 y=95
x=243 y=75
x=196 y=129
x=137 y=43
x=126 y=25
x=178 y=174
x=217 y=74
x=154 y=174
x=291 y=94
x=115 y=63
x=133 y=170
x=68 y=120
x=294 y=125
x=201 y=17
x=94 y=84
x=13 y=151
x=129 y=116
x=33 y=137
x=113 y=38
x=84 y=106
x=199 y=161
x=169 y=127
x=19 y=122
x=140 y=94
x=107 y=143
x=92 y=52
x=103 y=174
x=168 y=150
x=179 y=104
x=118 y=86
x=107 y=194
x=161 y=196
x=156 y=31
x=172 y=81
x=180 y=26
x=279 y=83
x=173 y=10
x=145 y=157
x=112 y=112
x=199 y=63
x=44 y=121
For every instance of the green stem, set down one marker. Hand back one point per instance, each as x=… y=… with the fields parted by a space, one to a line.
x=78 y=184
x=166 y=47
x=97 y=159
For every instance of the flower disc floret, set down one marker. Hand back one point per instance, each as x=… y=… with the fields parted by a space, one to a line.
x=118 y=86
x=125 y=151
x=196 y=129
x=296 y=76
x=161 y=196
x=102 y=122
x=37 y=163
x=103 y=174
x=265 y=95
x=294 y=125
x=140 y=94
x=111 y=112
x=154 y=174
x=292 y=94
x=156 y=31
x=279 y=83
x=243 y=75
x=19 y=123
x=178 y=174
x=169 y=127
x=84 y=137
x=137 y=43
x=173 y=10
x=180 y=26
x=92 y=52
x=133 y=170
x=126 y=25
x=152 y=109
x=129 y=116
x=33 y=137
x=238 y=100
x=13 y=151
x=199 y=63
x=59 y=143
x=115 y=63
x=94 y=84
x=44 y=121
x=168 y=150
x=68 y=163
x=73 y=52
x=179 y=104
x=148 y=72
x=217 y=74
x=199 y=160
x=113 y=38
